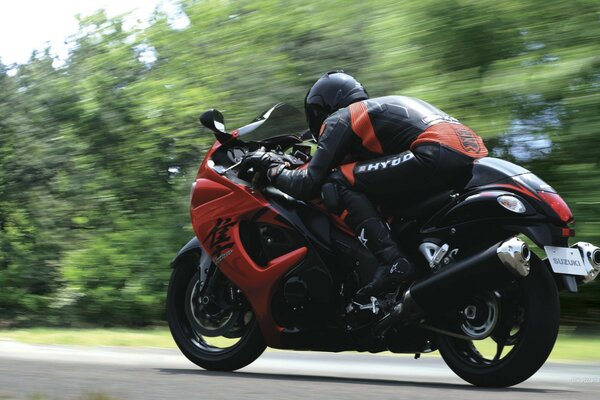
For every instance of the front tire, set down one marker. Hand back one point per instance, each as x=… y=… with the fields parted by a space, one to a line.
x=239 y=343
x=531 y=342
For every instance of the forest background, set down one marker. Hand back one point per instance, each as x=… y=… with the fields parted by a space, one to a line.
x=98 y=151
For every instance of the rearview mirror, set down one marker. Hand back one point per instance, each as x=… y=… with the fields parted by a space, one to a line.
x=213 y=120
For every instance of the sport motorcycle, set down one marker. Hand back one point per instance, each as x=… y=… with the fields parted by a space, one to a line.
x=265 y=269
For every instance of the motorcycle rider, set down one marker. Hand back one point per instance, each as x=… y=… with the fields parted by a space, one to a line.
x=393 y=146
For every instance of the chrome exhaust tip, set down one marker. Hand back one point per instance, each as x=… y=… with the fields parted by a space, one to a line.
x=515 y=256
x=591 y=260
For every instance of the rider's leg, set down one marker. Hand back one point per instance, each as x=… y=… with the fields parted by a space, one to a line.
x=426 y=170
x=374 y=233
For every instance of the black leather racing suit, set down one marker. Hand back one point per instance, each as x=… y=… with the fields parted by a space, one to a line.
x=384 y=147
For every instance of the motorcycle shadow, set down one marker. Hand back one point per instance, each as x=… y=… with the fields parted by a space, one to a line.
x=260 y=376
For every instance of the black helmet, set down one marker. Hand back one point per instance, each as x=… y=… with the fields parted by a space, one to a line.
x=332 y=91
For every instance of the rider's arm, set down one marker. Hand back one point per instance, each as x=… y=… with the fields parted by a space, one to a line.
x=306 y=184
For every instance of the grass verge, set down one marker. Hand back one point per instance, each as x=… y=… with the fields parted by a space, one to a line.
x=157 y=337
x=568 y=347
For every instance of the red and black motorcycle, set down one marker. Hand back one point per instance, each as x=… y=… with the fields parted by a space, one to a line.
x=268 y=270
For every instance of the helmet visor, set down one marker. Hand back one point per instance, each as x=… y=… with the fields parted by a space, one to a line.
x=315 y=115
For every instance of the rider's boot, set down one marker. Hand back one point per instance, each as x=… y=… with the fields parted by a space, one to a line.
x=394 y=269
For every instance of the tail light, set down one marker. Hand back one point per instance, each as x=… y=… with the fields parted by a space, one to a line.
x=558 y=205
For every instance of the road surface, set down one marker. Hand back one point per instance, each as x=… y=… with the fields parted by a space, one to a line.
x=84 y=373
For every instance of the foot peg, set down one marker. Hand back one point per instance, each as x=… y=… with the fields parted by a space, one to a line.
x=360 y=316
x=374 y=306
x=406 y=310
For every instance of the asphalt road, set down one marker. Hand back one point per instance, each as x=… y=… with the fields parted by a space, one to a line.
x=61 y=372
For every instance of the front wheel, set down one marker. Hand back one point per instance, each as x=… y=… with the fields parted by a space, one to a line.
x=216 y=330
x=520 y=323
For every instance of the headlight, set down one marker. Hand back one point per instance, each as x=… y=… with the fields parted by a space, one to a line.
x=511 y=203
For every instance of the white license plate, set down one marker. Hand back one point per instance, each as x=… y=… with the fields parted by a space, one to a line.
x=565 y=260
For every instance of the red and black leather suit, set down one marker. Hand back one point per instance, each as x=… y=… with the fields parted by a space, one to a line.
x=382 y=148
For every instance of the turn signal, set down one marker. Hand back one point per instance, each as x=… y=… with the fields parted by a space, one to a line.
x=511 y=203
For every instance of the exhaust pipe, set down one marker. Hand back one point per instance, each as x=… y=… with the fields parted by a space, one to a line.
x=515 y=256
x=591 y=260
x=458 y=282
x=500 y=262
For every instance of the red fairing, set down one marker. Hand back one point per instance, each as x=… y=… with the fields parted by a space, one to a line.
x=204 y=165
x=209 y=191
x=217 y=207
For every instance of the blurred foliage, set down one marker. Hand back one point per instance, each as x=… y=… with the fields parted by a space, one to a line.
x=96 y=154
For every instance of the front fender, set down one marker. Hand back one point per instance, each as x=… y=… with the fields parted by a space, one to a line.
x=193 y=246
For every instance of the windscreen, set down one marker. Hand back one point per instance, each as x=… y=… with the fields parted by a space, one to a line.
x=282 y=119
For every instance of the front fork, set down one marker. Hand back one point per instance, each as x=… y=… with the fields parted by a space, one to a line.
x=204 y=267
x=209 y=279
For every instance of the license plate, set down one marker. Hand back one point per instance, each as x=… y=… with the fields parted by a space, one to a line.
x=565 y=260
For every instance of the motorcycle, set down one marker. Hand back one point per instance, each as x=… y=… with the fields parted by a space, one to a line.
x=265 y=269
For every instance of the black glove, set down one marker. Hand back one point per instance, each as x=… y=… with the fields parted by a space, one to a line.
x=269 y=164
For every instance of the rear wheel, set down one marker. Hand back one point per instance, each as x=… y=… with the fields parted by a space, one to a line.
x=216 y=330
x=513 y=329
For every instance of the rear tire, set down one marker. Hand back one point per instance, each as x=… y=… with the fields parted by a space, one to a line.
x=196 y=346
x=532 y=344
